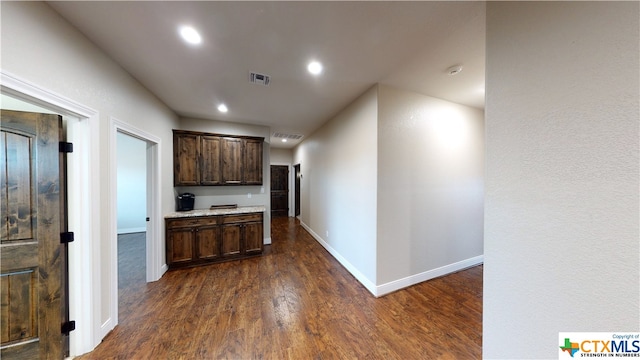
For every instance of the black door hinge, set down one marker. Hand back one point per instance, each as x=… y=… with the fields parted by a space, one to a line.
x=68 y=327
x=66 y=147
x=66 y=237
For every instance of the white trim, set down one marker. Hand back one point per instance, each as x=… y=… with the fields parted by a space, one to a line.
x=352 y=269
x=156 y=265
x=384 y=289
x=267 y=241
x=84 y=211
x=132 y=230
x=428 y=275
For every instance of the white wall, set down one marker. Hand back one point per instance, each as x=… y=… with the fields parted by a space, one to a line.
x=42 y=48
x=430 y=187
x=241 y=195
x=281 y=156
x=132 y=184
x=338 y=186
x=562 y=170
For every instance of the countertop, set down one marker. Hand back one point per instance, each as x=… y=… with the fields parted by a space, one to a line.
x=208 y=212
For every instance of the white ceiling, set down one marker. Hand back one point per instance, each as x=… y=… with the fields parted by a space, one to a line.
x=408 y=45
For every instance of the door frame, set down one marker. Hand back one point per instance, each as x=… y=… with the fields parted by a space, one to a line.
x=290 y=195
x=155 y=265
x=84 y=210
x=297 y=185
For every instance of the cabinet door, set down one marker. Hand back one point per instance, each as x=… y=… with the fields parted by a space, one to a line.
x=180 y=246
x=252 y=162
x=207 y=242
x=210 y=169
x=186 y=151
x=231 y=161
x=252 y=238
x=231 y=239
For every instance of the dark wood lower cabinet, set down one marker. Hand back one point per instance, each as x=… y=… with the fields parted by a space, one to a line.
x=207 y=239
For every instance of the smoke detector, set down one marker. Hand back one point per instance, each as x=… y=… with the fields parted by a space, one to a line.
x=260 y=79
x=454 y=70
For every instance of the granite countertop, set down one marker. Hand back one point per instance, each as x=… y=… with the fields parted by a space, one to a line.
x=208 y=212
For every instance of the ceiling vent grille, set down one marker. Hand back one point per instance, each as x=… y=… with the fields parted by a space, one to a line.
x=260 y=79
x=287 y=136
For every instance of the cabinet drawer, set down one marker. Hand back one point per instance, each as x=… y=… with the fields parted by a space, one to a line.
x=240 y=218
x=190 y=222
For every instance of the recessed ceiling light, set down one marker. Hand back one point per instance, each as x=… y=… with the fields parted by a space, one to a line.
x=223 y=108
x=190 y=35
x=315 y=68
x=284 y=140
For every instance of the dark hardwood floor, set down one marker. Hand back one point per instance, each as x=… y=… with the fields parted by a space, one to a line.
x=294 y=302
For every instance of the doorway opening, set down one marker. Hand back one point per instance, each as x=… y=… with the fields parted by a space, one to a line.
x=296 y=169
x=279 y=190
x=146 y=219
x=132 y=216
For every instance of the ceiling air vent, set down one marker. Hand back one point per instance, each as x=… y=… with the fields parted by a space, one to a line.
x=260 y=79
x=287 y=136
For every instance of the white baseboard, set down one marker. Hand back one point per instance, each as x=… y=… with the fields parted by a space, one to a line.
x=380 y=290
x=428 y=275
x=106 y=327
x=132 y=230
x=350 y=268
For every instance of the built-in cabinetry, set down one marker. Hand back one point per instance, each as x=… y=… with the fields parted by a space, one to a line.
x=215 y=159
x=201 y=240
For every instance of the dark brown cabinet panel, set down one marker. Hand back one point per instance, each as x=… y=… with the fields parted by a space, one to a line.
x=231 y=239
x=208 y=239
x=212 y=159
x=231 y=161
x=186 y=152
x=180 y=246
x=253 y=238
x=252 y=161
x=207 y=242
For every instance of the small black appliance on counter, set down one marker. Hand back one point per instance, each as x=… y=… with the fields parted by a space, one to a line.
x=185 y=202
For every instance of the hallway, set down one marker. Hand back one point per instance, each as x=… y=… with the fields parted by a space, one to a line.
x=295 y=302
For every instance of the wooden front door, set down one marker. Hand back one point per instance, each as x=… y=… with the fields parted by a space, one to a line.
x=32 y=218
x=279 y=190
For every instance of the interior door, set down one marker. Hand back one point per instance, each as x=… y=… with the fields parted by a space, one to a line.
x=297 y=189
x=31 y=256
x=279 y=190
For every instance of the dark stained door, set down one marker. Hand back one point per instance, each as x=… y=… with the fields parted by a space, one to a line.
x=297 y=189
x=279 y=190
x=32 y=217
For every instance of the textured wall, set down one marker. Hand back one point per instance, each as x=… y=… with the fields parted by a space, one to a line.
x=430 y=185
x=132 y=184
x=562 y=170
x=42 y=48
x=338 y=187
x=281 y=156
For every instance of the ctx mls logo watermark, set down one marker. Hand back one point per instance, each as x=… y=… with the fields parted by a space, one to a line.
x=599 y=344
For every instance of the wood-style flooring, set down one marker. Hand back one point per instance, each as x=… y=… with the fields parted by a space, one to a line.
x=294 y=302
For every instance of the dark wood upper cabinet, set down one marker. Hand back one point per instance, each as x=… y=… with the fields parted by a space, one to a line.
x=231 y=161
x=215 y=159
x=186 y=152
x=210 y=160
x=252 y=161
